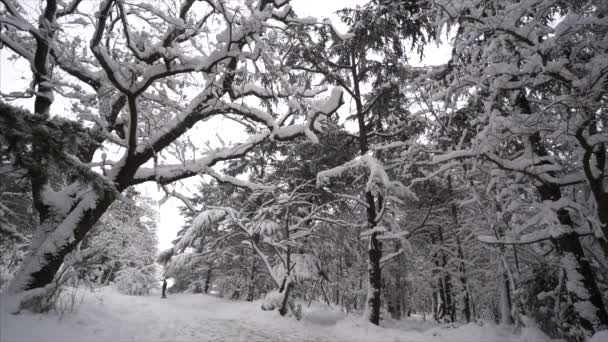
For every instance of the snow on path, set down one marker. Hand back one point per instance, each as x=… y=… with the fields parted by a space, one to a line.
x=110 y=316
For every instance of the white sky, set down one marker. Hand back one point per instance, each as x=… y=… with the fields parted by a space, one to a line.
x=15 y=76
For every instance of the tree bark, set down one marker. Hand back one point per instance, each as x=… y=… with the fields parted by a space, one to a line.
x=581 y=285
x=596 y=179
x=505 y=297
x=42 y=263
x=448 y=305
x=466 y=310
x=374 y=247
x=208 y=279
x=283 y=308
x=251 y=288
x=373 y=266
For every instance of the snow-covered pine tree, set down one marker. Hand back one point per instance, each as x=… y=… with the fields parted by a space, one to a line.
x=371 y=53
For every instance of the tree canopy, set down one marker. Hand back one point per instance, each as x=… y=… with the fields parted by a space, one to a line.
x=473 y=189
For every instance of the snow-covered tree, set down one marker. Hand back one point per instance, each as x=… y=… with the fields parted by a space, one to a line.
x=530 y=75
x=470 y=190
x=122 y=247
x=140 y=76
x=370 y=54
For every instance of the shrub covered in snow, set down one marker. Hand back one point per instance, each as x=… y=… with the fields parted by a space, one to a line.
x=122 y=247
x=272 y=300
x=135 y=281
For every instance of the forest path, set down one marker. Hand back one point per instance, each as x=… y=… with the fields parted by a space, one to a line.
x=107 y=315
x=207 y=318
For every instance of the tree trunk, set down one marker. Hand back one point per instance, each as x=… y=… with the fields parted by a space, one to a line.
x=448 y=305
x=373 y=266
x=59 y=237
x=109 y=276
x=581 y=285
x=374 y=290
x=324 y=294
x=505 y=305
x=283 y=308
x=580 y=282
x=596 y=155
x=208 y=279
x=466 y=310
x=251 y=288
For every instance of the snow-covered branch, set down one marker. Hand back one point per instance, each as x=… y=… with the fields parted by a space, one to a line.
x=235 y=181
x=165 y=174
x=168 y=173
x=378 y=180
x=201 y=222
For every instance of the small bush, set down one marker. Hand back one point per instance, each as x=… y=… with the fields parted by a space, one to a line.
x=134 y=281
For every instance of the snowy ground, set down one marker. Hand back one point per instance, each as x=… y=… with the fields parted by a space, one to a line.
x=109 y=316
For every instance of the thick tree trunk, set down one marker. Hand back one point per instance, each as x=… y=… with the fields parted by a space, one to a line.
x=375 y=279
x=251 y=287
x=373 y=267
x=449 y=303
x=374 y=290
x=596 y=155
x=581 y=285
x=208 y=279
x=505 y=304
x=42 y=262
x=580 y=281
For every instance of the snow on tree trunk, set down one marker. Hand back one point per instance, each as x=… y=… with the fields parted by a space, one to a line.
x=375 y=279
x=374 y=289
x=580 y=283
x=42 y=263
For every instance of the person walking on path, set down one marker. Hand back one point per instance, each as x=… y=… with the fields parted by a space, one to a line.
x=164 y=288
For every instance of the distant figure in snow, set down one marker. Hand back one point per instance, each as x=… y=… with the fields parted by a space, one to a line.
x=164 y=288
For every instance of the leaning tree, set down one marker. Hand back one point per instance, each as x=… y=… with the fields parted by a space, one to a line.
x=139 y=75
